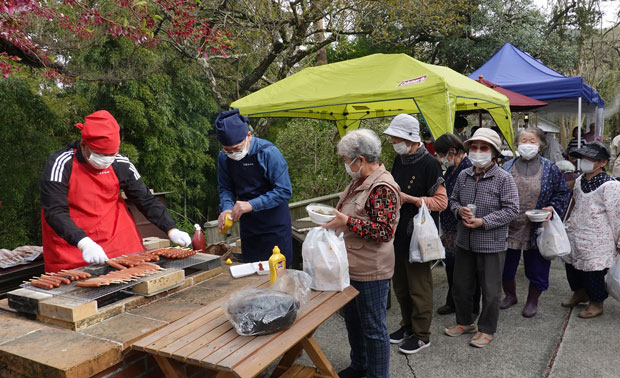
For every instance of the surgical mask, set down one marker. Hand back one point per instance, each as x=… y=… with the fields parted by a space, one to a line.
x=354 y=175
x=587 y=166
x=238 y=155
x=446 y=163
x=100 y=161
x=480 y=159
x=401 y=148
x=527 y=151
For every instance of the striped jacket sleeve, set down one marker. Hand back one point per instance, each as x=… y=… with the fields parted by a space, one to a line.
x=54 y=186
x=137 y=191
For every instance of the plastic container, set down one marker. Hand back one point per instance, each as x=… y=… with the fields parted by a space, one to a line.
x=277 y=265
x=228 y=222
x=473 y=208
x=320 y=214
x=537 y=215
x=198 y=240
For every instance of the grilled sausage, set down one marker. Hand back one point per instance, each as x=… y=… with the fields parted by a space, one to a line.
x=42 y=285
x=115 y=265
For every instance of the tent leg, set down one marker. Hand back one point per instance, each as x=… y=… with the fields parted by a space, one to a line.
x=579 y=130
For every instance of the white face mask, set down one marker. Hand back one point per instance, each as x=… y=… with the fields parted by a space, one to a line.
x=238 y=155
x=480 y=159
x=446 y=163
x=100 y=161
x=354 y=175
x=401 y=148
x=587 y=166
x=527 y=151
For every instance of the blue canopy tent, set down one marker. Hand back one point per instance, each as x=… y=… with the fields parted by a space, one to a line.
x=518 y=71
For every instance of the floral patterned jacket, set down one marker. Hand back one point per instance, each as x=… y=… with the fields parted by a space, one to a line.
x=593 y=227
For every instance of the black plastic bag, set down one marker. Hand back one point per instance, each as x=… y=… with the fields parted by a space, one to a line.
x=261 y=311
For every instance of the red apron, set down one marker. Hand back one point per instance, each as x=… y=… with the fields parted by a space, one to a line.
x=96 y=206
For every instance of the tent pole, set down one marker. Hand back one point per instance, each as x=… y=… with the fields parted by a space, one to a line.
x=480 y=118
x=579 y=129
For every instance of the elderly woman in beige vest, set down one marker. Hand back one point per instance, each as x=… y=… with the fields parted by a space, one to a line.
x=367 y=213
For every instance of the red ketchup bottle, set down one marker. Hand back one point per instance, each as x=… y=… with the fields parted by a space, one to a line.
x=198 y=240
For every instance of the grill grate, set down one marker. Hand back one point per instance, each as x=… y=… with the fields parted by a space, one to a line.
x=180 y=263
x=83 y=293
x=89 y=293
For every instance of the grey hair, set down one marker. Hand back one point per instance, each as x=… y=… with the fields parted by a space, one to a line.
x=540 y=135
x=361 y=142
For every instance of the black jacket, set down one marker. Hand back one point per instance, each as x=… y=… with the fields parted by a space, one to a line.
x=54 y=186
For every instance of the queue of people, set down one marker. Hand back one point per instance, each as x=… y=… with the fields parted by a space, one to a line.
x=484 y=231
x=479 y=206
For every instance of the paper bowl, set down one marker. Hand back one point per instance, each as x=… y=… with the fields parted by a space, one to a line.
x=537 y=215
x=319 y=214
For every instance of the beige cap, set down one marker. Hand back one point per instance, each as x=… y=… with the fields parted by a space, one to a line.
x=486 y=135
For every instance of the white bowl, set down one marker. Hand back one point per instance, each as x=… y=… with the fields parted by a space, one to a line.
x=320 y=214
x=537 y=215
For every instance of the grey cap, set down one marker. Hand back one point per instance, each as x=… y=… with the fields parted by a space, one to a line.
x=593 y=150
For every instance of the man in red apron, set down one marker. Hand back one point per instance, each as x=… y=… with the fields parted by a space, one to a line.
x=254 y=187
x=83 y=216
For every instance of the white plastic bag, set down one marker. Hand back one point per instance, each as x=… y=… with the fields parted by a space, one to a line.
x=552 y=241
x=425 y=243
x=325 y=260
x=613 y=280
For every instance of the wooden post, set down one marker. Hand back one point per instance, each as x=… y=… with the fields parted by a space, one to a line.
x=171 y=368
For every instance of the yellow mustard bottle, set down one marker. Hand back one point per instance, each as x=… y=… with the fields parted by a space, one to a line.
x=277 y=265
x=228 y=222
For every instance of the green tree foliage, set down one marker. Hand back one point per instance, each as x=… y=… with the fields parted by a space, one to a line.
x=464 y=34
x=165 y=121
x=310 y=149
x=30 y=131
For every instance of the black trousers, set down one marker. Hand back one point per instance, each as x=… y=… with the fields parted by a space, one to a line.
x=592 y=282
x=449 y=265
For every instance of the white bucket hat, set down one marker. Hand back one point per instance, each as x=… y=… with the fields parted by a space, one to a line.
x=404 y=126
x=486 y=135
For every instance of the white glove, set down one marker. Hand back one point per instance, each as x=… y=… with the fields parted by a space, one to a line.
x=179 y=237
x=92 y=252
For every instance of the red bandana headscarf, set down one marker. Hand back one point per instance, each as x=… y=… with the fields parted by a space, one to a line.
x=101 y=132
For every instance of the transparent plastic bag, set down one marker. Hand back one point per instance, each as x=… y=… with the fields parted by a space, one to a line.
x=552 y=240
x=295 y=283
x=261 y=311
x=613 y=280
x=325 y=260
x=425 y=244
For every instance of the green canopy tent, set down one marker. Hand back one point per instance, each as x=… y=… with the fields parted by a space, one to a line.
x=378 y=85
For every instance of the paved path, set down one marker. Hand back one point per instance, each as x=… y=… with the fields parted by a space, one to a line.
x=555 y=343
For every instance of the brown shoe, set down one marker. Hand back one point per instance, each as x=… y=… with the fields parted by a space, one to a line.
x=480 y=340
x=578 y=297
x=593 y=310
x=458 y=330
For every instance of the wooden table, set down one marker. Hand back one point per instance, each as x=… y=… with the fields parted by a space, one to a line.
x=206 y=338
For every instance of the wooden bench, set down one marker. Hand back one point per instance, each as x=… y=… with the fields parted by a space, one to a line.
x=207 y=339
